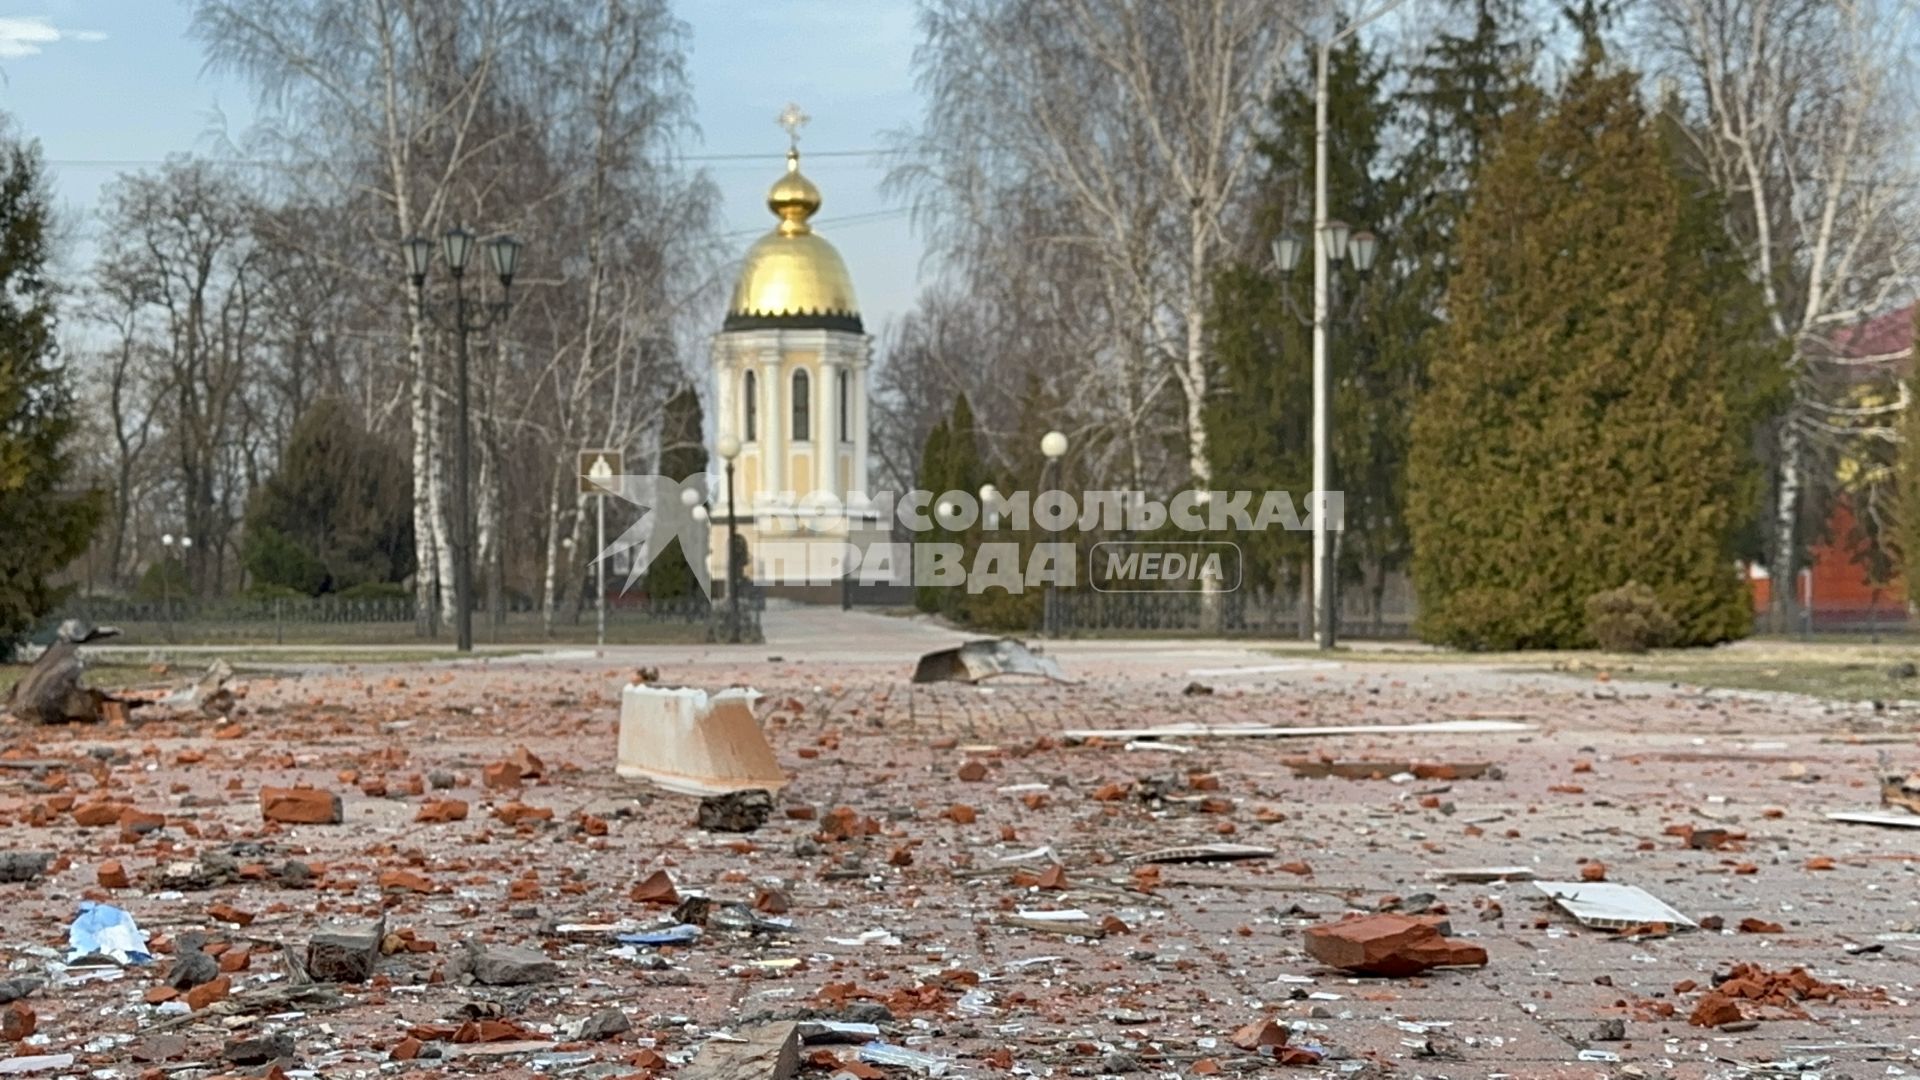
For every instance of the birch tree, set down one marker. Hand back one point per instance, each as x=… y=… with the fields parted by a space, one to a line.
x=1132 y=124
x=382 y=101
x=1799 y=115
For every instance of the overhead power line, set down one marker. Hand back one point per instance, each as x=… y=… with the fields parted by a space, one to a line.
x=270 y=163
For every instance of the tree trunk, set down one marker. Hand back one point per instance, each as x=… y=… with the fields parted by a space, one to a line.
x=426 y=558
x=1786 y=515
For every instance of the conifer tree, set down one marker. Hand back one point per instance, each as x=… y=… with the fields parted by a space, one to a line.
x=47 y=521
x=683 y=453
x=1580 y=431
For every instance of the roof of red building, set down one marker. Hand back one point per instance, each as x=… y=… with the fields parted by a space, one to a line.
x=1888 y=335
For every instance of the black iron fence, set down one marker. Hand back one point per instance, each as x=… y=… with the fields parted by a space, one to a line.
x=1228 y=614
x=330 y=620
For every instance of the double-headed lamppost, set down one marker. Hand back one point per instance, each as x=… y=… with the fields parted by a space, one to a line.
x=457 y=247
x=167 y=540
x=1054 y=445
x=1334 y=243
x=729 y=448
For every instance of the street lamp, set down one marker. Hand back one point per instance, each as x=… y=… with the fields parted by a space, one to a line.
x=1054 y=445
x=1322 y=443
x=729 y=448
x=1286 y=253
x=167 y=540
x=988 y=496
x=1362 y=247
x=456 y=247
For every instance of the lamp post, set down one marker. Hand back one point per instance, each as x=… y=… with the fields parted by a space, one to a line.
x=1054 y=445
x=729 y=448
x=456 y=246
x=1324 y=236
x=1337 y=242
x=167 y=540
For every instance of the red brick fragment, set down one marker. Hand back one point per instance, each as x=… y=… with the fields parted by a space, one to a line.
x=1395 y=946
x=97 y=815
x=1261 y=1033
x=300 y=806
x=207 y=993
x=656 y=888
x=1714 y=1010
x=17 y=1022
x=404 y=881
x=441 y=811
x=112 y=875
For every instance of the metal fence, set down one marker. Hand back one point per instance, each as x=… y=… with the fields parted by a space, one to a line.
x=329 y=620
x=1230 y=614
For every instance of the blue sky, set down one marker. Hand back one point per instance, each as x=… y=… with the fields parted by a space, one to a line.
x=105 y=83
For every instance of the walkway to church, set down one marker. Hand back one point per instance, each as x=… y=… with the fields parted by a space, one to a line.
x=957 y=799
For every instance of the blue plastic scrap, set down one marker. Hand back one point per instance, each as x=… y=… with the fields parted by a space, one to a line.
x=105 y=930
x=673 y=935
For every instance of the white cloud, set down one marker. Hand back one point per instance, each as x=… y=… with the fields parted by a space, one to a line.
x=24 y=36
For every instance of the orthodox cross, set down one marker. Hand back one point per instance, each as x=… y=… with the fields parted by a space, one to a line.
x=793 y=120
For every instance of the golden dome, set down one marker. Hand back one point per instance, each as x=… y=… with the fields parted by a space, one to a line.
x=791 y=277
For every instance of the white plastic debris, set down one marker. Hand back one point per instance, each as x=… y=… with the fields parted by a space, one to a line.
x=105 y=930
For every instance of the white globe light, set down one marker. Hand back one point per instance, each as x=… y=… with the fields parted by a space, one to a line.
x=167 y=539
x=691 y=497
x=699 y=513
x=1053 y=444
x=728 y=447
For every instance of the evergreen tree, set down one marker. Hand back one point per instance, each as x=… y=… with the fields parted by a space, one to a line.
x=683 y=453
x=1263 y=345
x=1581 y=429
x=932 y=477
x=338 y=513
x=47 y=522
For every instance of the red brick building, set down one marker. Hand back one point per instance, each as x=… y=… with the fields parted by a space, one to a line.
x=1838 y=580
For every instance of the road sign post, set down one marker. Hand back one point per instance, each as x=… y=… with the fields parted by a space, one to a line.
x=596 y=466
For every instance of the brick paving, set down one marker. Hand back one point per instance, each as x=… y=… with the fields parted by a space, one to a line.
x=1608 y=770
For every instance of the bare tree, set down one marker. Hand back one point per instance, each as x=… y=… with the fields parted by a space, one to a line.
x=1800 y=116
x=180 y=246
x=384 y=99
x=1130 y=127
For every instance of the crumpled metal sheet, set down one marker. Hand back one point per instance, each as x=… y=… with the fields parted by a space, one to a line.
x=984 y=659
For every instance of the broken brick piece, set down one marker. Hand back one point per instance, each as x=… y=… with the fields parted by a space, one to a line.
x=656 y=889
x=208 y=992
x=972 y=771
x=441 y=811
x=515 y=813
x=1714 y=1010
x=17 y=1021
x=97 y=815
x=300 y=806
x=404 y=881
x=1395 y=946
x=112 y=875
x=1261 y=1033
x=229 y=913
